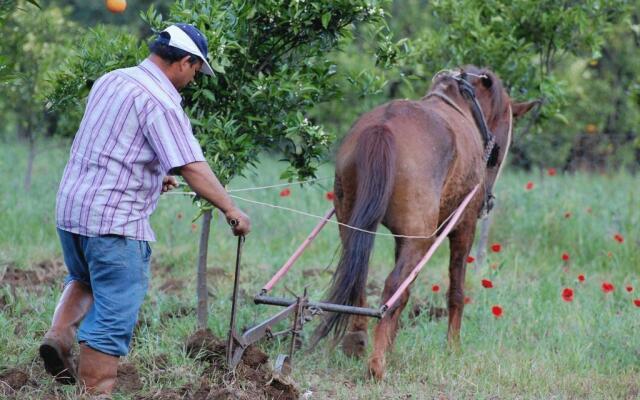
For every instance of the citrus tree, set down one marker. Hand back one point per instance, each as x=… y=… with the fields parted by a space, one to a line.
x=7 y=7
x=531 y=46
x=540 y=49
x=33 y=43
x=271 y=67
x=271 y=64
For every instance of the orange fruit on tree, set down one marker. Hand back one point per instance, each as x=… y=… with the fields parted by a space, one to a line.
x=116 y=6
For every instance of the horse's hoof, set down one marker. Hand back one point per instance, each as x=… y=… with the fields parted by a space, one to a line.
x=453 y=345
x=376 y=369
x=354 y=344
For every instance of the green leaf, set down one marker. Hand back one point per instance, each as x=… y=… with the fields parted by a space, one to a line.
x=560 y=117
x=217 y=67
x=326 y=18
x=35 y=3
x=209 y=94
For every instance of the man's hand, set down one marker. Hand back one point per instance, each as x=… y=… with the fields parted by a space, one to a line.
x=204 y=182
x=169 y=183
x=239 y=221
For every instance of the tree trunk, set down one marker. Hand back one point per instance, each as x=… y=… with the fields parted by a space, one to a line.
x=202 y=290
x=30 y=159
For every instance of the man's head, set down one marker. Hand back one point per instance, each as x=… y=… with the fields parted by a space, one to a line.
x=183 y=51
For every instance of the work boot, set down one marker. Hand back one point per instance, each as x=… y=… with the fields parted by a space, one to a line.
x=55 y=350
x=97 y=371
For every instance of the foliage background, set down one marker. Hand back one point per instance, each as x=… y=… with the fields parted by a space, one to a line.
x=581 y=58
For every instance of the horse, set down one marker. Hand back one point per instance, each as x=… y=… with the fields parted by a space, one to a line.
x=408 y=165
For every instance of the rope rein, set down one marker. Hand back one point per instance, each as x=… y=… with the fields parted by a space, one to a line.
x=319 y=217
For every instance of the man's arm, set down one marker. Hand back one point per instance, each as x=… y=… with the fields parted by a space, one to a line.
x=203 y=181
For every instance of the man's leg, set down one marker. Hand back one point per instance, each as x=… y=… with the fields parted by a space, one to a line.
x=74 y=303
x=119 y=270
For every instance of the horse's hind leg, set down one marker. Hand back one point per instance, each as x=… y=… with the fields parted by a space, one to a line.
x=409 y=254
x=460 y=242
x=354 y=343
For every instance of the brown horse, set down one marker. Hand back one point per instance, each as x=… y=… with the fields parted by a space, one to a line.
x=408 y=165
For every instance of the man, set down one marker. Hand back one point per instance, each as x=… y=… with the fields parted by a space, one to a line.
x=133 y=134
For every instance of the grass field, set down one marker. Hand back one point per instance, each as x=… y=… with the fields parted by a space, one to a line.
x=541 y=347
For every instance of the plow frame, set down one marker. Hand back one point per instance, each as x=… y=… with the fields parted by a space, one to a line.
x=302 y=309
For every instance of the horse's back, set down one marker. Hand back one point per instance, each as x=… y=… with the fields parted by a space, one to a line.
x=425 y=150
x=421 y=135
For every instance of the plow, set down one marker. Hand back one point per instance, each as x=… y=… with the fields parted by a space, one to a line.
x=301 y=309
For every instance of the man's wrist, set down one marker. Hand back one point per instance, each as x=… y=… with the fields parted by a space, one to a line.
x=227 y=208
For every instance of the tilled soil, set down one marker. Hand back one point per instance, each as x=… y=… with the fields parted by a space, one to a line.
x=128 y=379
x=12 y=380
x=44 y=273
x=253 y=377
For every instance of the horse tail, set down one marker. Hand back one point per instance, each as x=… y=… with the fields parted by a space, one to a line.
x=375 y=162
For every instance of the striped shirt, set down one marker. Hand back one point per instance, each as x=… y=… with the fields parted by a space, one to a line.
x=133 y=132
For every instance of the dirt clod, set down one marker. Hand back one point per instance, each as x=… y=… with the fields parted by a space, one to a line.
x=172 y=286
x=44 y=273
x=354 y=344
x=433 y=313
x=217 y=273
x=12 y=380
x=254 y=378
x=163 y=394
x=203 y=345
x=128 y=380
x=179 y=312
x=227 y=393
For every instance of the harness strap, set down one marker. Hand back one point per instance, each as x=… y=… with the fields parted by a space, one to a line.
x=491 y=150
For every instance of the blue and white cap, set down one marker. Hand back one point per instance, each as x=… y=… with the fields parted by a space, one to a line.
x=189 y=38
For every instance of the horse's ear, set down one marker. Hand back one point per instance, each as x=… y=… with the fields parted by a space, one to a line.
x=486 y=81
x=520 y=109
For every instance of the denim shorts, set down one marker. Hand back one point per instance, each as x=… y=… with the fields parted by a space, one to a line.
x=116 y=269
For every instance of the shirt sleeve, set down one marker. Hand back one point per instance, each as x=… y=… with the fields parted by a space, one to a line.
x=169 y=134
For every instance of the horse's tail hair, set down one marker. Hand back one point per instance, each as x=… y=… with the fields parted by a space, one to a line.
x=376 y=163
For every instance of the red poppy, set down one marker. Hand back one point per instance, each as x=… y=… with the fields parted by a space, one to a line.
x=581 y=278
x=567 y=294
x=567 y=214
x=629 y=288
x=486 y=283
x=607 y=287
x=589 y=210
x=609 y=254
x=194 y=227
x=285 y=192
x=529 y=185
x=551 y=171
x=618 y=238
x=637 y=302
x=330 y=196
x=496 y=247
x=470 y=259
x=496 y=311
x=467 y=300
x=179 y=216
x=565 y=256
x=435 y=288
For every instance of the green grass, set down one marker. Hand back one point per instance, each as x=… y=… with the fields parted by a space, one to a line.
x=542 y=347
